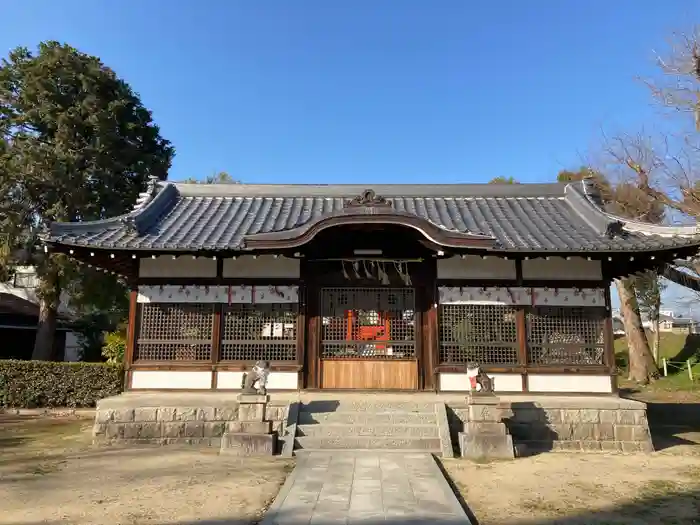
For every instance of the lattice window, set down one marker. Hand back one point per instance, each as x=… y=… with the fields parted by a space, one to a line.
x=368 y=323
x=254 y=332
x=484 y=334
x=175 y=332
x=566 y=336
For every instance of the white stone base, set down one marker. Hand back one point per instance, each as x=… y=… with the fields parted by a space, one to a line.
x=275 y=381
x=537 y=383
x=459 y=382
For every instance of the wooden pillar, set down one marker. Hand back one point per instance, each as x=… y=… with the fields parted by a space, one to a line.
x=216 y=335
x=312 y=373
x=301 y=335
x=521 y=337
x=131 y=335
x=216 y=344
x=609 y=341
x=428 y=310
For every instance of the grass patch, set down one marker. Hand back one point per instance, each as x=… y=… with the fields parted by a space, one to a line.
x=676 y=349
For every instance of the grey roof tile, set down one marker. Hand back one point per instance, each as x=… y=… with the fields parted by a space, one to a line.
x=529 y=217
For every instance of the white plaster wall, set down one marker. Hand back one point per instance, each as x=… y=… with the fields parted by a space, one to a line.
x=262 y=266
x=459 y=382
x=275 y=381
x=474 y=267
x=559 y=268
x=569 y=383
x=185 y=266
x=168 y=379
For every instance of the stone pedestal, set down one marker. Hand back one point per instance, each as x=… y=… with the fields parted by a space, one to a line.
x=250 y=435
x=485 y=434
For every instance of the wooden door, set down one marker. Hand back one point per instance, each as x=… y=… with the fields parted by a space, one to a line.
x=368 y=338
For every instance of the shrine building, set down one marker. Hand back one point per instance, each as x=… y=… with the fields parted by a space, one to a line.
x=379 y=288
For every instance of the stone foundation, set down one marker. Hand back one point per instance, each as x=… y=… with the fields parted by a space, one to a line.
x=485 y=434
x=536 y=423
x=570 y=423
x=238 y=444
x=188 y=419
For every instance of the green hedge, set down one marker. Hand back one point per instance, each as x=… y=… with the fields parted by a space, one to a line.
x=46 y=384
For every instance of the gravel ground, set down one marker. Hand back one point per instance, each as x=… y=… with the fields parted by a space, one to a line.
x=583 y=489
x=49 y=473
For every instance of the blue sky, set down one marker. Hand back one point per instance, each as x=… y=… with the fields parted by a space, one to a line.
x=320 y=91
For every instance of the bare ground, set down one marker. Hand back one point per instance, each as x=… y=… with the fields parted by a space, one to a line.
x=581 y=489
x=49 y=473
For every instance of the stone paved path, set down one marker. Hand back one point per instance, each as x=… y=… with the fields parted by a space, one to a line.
x=368 y=488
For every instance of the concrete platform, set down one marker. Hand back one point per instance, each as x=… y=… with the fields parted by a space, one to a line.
x=367 y=488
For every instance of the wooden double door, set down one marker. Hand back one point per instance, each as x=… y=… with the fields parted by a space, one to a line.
x=368 y=338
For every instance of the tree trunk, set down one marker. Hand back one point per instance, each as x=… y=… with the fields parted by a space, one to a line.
x=642 y=368
x=45 y=332
x=49 y=292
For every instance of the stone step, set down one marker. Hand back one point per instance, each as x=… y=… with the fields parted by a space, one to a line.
x=368 y=443
x=355 y=451
x=340 y=430
x=369 y=406
x=367 y=418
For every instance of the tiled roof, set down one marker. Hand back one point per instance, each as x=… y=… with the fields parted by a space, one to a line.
x=524 y=218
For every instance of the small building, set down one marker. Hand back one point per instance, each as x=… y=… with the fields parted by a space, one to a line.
x=18 y=323
x=20 y=292
x=677 y=325
x=395 y=287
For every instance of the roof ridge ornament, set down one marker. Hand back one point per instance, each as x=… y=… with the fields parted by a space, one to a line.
x=592 y=190
x=615 y=229
x=146 y=196
x=366 y=199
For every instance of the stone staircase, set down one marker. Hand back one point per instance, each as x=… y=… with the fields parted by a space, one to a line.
x=406 y=426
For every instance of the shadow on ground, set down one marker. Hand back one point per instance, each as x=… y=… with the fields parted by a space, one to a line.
x=690 y=349
x=669 y=422
x=645 y=510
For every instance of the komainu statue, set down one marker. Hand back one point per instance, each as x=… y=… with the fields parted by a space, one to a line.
x=255 y=381
x=478 y=379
